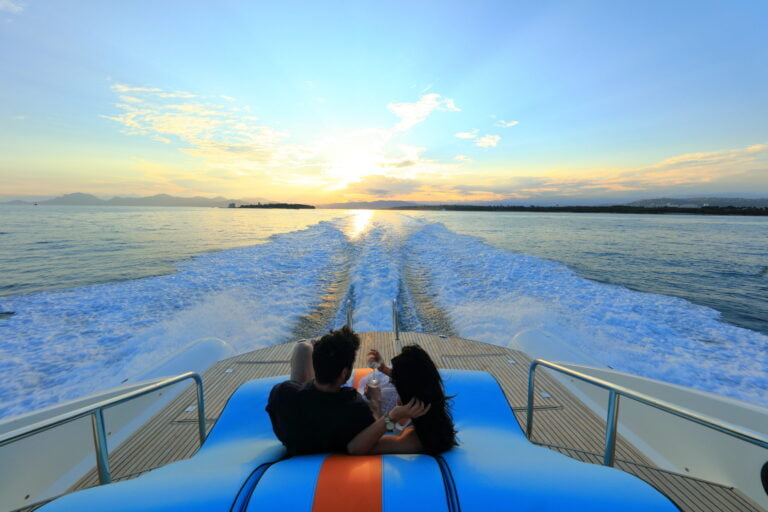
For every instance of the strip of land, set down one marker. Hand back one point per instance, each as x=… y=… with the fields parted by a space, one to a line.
x=290 y=206
x=706 y=210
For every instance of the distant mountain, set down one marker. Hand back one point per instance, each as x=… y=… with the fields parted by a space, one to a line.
x=369 y=205
x=77 y=198
x=168 y=200
x=80 y=199
x=699 y=202
x=16 y=202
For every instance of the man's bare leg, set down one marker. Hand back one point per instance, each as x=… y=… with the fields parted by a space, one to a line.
x=301 y=363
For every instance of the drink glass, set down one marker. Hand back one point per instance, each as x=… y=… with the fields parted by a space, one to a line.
x=374 y=380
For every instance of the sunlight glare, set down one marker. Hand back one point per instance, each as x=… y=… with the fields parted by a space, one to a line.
x=359 y=223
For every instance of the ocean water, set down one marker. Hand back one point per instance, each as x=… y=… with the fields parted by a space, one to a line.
x=103 y=294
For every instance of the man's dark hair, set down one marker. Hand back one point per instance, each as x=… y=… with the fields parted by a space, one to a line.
x=334 y=352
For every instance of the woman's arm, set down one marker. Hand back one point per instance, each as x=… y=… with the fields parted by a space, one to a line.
x=374 y=400
x=407 y=442
x=364 y=441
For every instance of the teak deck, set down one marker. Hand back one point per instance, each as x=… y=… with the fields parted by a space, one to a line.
x=561 y=423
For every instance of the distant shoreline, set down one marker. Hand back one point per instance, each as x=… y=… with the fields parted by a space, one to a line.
x=706 y=210
x=288 y=206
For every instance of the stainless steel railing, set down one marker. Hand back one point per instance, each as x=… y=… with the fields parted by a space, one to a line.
x=96 y=412
x=614 y=393
x=395 y=321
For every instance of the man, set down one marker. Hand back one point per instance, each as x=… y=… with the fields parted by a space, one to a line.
x=312 y=412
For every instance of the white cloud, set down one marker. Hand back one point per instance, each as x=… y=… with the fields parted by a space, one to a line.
x=11 y=6
x=411 y=114
x=507 y=124
x=129 y=88
x=466 y=135
x=220 y=135
x=487 y=141
x=229 y=143
x=462 y=158
x=176 y=94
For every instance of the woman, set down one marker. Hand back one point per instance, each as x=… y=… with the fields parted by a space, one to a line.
x=418 y=382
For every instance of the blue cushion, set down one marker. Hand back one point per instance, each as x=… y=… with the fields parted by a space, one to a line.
x=409 y=482
x=412 y=482
x=496 y=466
x=288 y=485
x=240 y=442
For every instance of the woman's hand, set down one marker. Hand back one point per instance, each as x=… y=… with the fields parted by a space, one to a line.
x=413 y=409
x=374 y=356
x=367 y=439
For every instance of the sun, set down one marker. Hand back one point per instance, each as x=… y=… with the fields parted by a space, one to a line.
x=354 y=155
x=353 y=166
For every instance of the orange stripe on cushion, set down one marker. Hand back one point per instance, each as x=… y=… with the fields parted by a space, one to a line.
x=359 y=374
x=349 y=484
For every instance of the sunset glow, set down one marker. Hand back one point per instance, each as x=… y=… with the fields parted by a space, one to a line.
x=325 y=103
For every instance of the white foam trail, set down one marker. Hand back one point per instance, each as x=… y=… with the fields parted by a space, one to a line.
x=68 y=343
x=64 y=344
x=377 y=260
x=491 y=294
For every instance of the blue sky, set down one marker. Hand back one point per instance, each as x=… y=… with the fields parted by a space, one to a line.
x=333 y=101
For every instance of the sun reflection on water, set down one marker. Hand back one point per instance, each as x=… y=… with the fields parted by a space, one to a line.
x=359 y=224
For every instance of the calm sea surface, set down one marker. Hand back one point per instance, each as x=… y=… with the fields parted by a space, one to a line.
x=102 y=294
x=720 y=262
x=43 y=248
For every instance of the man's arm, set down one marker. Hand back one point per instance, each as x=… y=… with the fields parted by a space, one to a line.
x=365 y=441
x=407 y=442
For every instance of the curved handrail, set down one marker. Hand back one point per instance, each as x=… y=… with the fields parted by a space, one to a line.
x=616 y=391
x=96 y=411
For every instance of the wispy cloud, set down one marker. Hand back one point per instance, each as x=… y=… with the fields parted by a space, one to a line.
x=696 y=168
x=230 y=148
x=11 y=6
x=221 y=135
x=487 y=141
x=130 y=89
x=735 y=171
x=229 y=141
x=378 y=186
x=411 y=114
x=466 y=135
x=507 y=124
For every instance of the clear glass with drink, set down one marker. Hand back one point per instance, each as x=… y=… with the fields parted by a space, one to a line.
x=373 y=381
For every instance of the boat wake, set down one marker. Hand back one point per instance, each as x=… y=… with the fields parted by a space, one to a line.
x=490 y=294
x=68 y=343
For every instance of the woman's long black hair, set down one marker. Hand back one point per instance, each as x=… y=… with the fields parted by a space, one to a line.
x=415 y=375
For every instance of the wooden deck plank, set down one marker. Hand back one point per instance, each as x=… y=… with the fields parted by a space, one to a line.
x=561 y=422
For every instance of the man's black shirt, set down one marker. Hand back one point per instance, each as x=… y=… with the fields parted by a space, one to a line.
x=308 y=420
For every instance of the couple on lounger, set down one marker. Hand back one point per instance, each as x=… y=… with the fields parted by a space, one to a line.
x=315 y=413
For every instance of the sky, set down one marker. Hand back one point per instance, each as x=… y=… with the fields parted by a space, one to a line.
x=522 y=102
